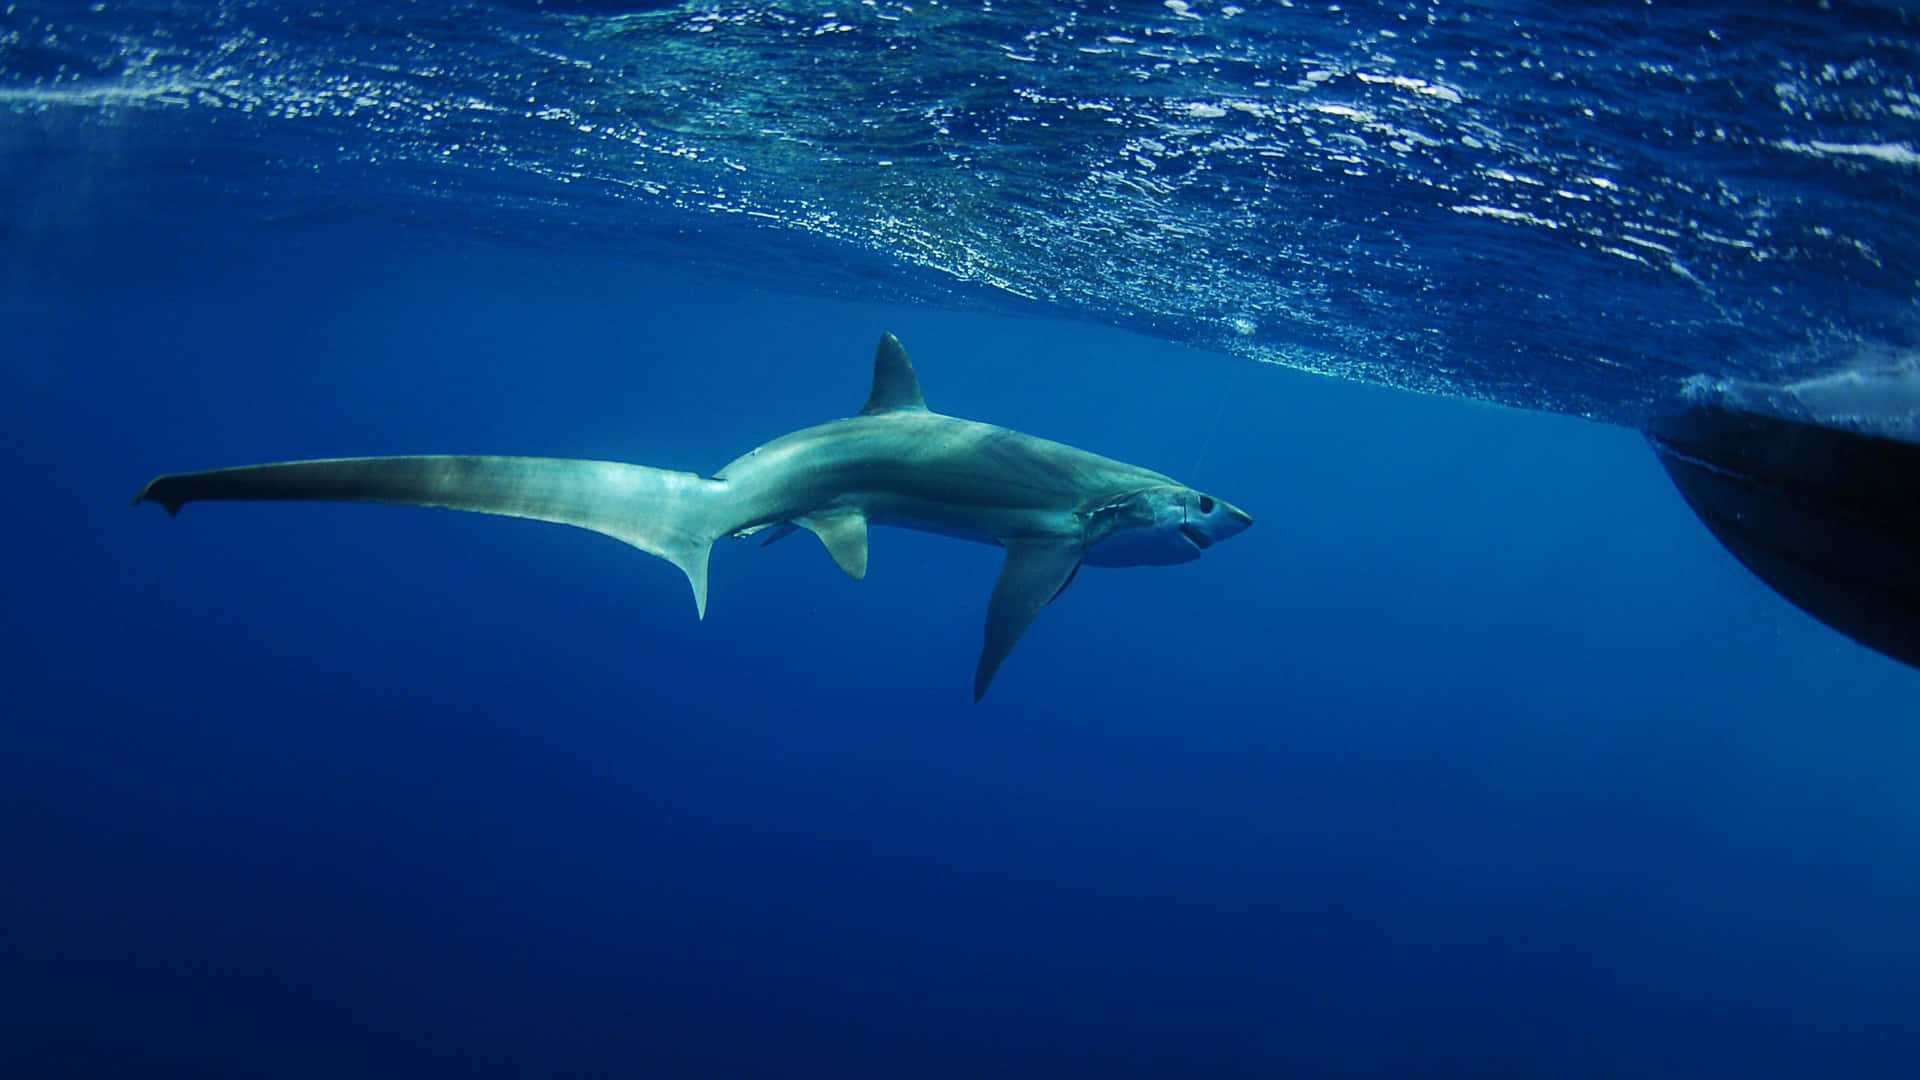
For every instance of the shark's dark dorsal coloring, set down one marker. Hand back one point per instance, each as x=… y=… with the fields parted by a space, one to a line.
x=1053 y=507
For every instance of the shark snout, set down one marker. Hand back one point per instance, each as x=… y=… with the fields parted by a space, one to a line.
x=1227 y=520
x=1210 y=520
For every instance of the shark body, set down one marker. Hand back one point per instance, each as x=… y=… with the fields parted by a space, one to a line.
x=1053 y=507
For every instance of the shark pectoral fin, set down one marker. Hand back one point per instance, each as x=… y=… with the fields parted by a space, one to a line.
x=845 y=534
x=1036 y=571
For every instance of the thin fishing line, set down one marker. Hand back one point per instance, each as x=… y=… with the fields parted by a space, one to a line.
x=1220 y=410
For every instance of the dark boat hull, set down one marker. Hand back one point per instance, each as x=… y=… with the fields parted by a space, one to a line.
x=1828 y=518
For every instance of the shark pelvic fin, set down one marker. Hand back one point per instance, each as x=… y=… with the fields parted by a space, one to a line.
x=1037 y=570
x=844 y=532
x=895 y=386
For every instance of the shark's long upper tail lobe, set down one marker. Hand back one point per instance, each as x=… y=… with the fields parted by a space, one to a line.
x=674 y=515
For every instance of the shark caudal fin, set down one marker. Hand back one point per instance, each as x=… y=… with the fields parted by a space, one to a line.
x=674 y=515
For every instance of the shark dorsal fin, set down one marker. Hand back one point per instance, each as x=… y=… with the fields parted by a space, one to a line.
x=895 y=387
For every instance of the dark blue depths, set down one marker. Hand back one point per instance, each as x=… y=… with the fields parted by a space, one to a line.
x=1475 y=756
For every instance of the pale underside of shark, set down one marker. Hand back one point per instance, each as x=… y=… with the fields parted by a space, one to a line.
x=1053 y=507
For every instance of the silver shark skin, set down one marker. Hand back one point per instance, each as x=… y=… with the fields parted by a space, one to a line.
x=1053 y=507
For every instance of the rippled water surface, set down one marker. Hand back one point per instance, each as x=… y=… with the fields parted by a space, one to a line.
x=1571 y=207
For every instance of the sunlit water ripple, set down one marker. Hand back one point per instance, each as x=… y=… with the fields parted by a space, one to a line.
x=1583 y=210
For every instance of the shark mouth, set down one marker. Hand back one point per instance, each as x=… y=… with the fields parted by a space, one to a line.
x=1200 y=540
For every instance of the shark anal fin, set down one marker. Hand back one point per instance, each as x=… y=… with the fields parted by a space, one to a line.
x=1037 y=570
x=895 y=386
x=844 y=532
x=786 y=529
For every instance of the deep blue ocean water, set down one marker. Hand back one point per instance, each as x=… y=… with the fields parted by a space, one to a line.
x=1475 y=756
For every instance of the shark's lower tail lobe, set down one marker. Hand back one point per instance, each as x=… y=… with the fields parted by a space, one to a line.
x=674 y=515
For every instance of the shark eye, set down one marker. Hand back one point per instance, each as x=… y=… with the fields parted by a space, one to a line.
x=1206 y=505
